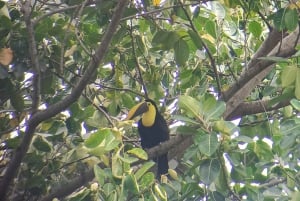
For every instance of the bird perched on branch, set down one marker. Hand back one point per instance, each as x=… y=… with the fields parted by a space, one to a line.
x=153 y=130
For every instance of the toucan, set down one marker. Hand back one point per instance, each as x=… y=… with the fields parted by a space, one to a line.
x=153 y=130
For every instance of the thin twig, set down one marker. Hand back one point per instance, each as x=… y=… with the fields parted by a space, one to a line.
x=26 y=7
x=212 y=60
x=138 y=67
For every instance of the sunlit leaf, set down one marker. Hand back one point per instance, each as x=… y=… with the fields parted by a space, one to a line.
x=138 y=152
x=295 y=103
x=288 y=76
x=255 y=28
x=143 y=169
x=190 y=105
x=208 y=143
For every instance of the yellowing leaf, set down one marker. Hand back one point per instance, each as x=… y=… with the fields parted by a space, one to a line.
x=70 y=51
x=156 y=2
x=6 y=56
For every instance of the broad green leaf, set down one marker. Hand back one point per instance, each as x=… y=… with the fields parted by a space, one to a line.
x=190 y=105
x=146 y=179
x=181 y=52
x=297 y=85
x=186 y=130
x=116 y=166
x=210 y=27
x=143 y=169
x=213 y=109
x=225 y=127
x=41 y=144
x=17 y=101
x=255 y=28
x=290 y=127
x=138 y=152
x=209 y=171
x=291 y=19
x=288 y=76
x=262 y=150
x=165 y=40
x=195 y=38
x=97 y=138
x=99 y=175
x=208 y=143
x=295 y=103
x=129 y=186
x=287 y=111
x=287 y=141
x=184 y=119
x=127 y=159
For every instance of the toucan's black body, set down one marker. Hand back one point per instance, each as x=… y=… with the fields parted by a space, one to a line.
x=154 y=135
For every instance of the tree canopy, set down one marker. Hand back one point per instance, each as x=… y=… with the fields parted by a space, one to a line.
x=224 y=74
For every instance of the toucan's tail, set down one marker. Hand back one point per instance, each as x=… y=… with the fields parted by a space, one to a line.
x=162 y=165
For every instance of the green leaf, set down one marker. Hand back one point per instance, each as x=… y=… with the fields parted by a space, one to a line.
x=190 y=105
x=225 y=127
x=147 y=179
x=295 y=103
x=116 y=166
x=195 y=38
x=291 y=19
x=255 y=28
x=99 y=174
x=184 y=119
x=210 y=27
x=143 y=169
x=165 y=39
x=297 y=85
x=208 y=143
x=213 y=109
x=138 y=152
x=278 y=19
x=97 y=138
x=41 y=144
x=181 y=52
x=262 y=150
x=17 y=101
x=129 y=186
x=288 y=76
x=209 y=171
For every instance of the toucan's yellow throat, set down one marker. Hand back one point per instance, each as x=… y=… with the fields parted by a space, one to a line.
x=147 y=110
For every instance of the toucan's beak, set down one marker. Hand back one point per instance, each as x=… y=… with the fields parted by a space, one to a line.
x=137 y=110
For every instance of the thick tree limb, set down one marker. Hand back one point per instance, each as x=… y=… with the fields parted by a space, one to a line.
x=253 y=75
x=255 y=107
x=54 y=109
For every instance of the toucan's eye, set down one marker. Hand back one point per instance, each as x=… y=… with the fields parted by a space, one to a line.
x=148 y=104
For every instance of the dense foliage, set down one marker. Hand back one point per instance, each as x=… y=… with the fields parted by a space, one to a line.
x=225 y=75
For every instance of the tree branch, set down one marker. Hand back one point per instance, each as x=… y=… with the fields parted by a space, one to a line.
x=255 y=107
x=253 y=75
x=54 y=109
